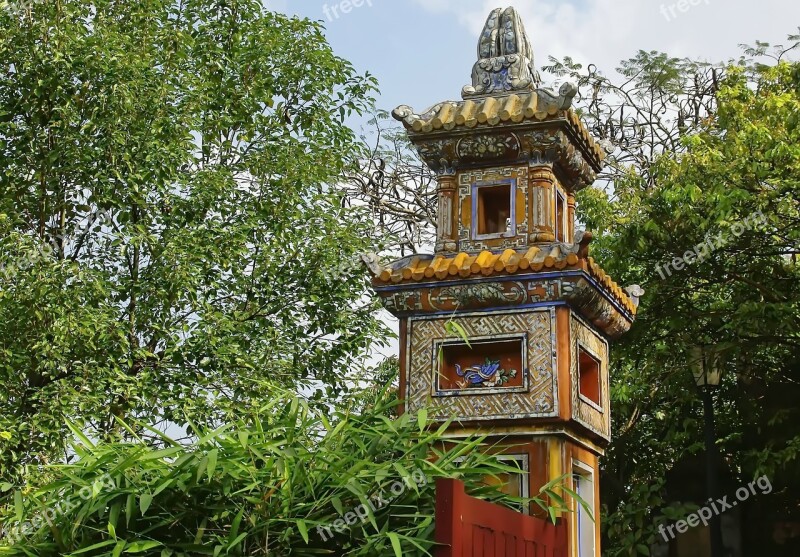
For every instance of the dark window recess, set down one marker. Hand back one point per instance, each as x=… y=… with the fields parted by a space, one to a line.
x=561 y=208
x=494 y=209
x=589 y=375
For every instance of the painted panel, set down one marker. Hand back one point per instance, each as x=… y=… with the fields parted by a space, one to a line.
x=531 y=395
x=490 y=364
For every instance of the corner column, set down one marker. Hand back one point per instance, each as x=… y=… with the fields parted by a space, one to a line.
x=541 y=198
x=446 y=227
x=570 y=218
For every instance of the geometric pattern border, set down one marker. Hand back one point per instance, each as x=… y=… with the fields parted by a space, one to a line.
x=539 y=401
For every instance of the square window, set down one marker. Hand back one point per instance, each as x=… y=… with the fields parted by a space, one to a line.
x=494 y=203
x=481 y=364
x=588 y=376
x=514 y=484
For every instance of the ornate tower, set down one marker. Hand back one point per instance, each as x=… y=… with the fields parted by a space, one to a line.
x=510 y=272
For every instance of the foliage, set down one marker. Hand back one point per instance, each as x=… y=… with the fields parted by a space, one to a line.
x=269 y=484
x=170 y=217
x=168 y=233
x=741 y=297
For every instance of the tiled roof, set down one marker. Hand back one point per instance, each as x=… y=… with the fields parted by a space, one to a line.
x=494 y=110
x=555 y=257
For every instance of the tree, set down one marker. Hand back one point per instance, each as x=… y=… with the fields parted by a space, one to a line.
x=168 y=233
x=713 y=238
x=397 y=188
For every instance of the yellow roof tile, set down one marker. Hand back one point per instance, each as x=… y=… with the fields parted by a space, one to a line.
x=493 y=110
x=486 y=263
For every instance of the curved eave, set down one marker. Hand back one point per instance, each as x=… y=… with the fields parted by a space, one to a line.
x=491 y=111
x=429 y=268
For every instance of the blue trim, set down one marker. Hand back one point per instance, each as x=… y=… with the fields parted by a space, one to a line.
x=563 y=219
x=512 y=214
x=578 y=480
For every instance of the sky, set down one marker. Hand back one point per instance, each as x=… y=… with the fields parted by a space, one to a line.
x=422 y=51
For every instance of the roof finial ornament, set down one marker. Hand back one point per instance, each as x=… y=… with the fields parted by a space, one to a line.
x=505 y=57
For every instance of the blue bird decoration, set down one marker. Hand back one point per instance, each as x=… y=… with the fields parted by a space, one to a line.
x=475 y=375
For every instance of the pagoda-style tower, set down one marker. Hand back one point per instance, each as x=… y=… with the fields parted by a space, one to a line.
x=510 y=271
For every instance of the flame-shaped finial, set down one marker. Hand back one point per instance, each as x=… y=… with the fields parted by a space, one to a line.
x=505 y=57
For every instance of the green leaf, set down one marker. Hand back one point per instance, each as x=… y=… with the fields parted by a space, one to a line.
x=422 y=419
x=212 y=463
x=118 y=548
x=398 y=549
x=303 y=529
x=456 y=328
x=161 y=454
x=130 y=505
x=141 y=547
x=19 y=508
x=79 y=434
x=145 y=499
x=94 y=546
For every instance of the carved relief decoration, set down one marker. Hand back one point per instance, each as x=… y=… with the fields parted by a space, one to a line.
x=488 y=147
x=538 y=398
x=548 y=145
x=574 y=289
x=554 y=148
x=485 y=294
x=403 y=300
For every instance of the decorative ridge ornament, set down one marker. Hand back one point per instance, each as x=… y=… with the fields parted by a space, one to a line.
x=505 y=57
x=506 y=116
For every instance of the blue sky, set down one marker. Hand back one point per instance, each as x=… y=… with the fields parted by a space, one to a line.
x=422 y=51
x=417 y=56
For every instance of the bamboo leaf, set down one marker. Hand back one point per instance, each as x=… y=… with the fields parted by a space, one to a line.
x=212 y=463
x=303 y=529
x=398 y=549
x=145 y=499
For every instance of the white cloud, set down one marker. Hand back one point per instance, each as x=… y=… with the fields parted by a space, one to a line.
x=604 y=32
